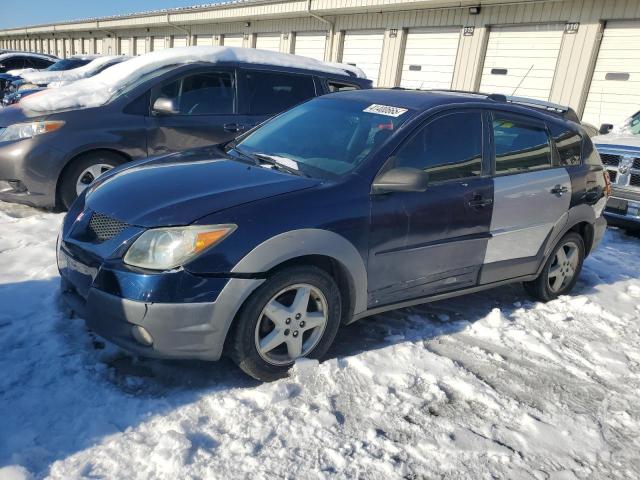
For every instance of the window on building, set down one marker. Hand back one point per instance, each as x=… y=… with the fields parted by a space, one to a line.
x=520 y=146
x=269 y=93
x=448 y=148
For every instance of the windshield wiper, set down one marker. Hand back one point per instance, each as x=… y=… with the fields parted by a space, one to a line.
x=278 y=165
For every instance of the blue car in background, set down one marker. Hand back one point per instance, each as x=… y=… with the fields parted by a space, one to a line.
x=345 y=206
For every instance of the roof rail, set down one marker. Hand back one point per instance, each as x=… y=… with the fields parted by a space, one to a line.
x=564 y=111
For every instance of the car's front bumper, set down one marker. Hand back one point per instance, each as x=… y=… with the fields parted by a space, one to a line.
x=178 y=329
x=29 y=172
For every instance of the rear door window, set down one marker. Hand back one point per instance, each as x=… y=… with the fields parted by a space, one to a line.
x=269 y=93
x=520 y=145
x=340 y=86
x=210 y=93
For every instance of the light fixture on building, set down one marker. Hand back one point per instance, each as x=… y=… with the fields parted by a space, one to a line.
x=247 y=24
x=474 y=10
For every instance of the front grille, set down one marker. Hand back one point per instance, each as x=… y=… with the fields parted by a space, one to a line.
x=613 y=175
x=635 y=180
x=609 y=159
x=636 y=163
x=102 y=228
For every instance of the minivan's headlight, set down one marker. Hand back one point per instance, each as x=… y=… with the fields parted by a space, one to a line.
x=168 y=248
x=18 y=131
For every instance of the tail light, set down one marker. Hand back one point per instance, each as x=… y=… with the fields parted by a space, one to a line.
x=607 y=184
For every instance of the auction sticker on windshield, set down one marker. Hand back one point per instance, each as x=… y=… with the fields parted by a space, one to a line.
x=386 y=110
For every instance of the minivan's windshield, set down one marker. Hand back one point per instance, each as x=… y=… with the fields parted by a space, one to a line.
x=67 y=64
x=325 y=137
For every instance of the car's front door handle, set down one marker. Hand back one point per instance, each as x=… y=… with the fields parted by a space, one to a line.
x=479 y=202
x=559 y=190
x=233 y=127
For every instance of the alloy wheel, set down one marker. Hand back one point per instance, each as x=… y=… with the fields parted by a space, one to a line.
x=563 y=268
x=90 y=174
x=291 y=324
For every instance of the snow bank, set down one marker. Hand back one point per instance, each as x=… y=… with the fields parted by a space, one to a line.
x=98 y=90
x=47 y=77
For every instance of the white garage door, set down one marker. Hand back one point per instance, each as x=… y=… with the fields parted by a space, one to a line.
x=311 y=44
x=180 y=41
x=141 y=46
x=77 y=46
x=99 y=46
x=430 y=58
x=614 y=94
x=233 y=40
x=59 y=48
x=364 y=50
x=158 y=44
x=204 y=40
x=522 y=60
x=125 y=48
x=268 y=42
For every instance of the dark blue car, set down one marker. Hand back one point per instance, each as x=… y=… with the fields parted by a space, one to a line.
x=345 y=206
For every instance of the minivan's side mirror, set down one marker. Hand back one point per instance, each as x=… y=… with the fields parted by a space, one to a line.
x=165 y=106
x=401 y=179
x=605 y=128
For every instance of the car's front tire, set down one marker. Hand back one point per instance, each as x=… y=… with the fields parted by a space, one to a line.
x=561 y=271
x=295 y=313
x=82 y=173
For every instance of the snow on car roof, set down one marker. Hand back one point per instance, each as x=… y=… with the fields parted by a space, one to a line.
x=45 y=77
x=99 y=89
x=8 y=55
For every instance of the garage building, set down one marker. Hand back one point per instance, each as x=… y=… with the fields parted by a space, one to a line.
x=582 y=53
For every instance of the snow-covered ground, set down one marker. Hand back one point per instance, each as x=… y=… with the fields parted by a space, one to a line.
x=487 y=386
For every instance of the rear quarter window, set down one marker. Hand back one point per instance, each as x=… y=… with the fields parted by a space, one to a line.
x=568 y=143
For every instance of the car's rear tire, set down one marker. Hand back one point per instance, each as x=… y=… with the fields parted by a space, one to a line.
x=82 y=172
x=561 y=271
x=295 y=313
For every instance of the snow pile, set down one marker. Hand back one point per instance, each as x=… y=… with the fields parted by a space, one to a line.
x=98 y=90
x=88 y=70
x=491 y=385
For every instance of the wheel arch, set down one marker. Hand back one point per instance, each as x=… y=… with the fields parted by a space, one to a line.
x=78 y=156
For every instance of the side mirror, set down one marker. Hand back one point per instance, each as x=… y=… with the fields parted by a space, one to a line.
x=401 y=179
x=165 y=106
x=605 y=128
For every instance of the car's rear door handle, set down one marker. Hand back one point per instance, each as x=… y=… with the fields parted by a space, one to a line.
x=233 y=127
x=559 y=190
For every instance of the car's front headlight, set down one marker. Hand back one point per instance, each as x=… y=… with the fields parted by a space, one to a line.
x=168 y=248
x=18 y=131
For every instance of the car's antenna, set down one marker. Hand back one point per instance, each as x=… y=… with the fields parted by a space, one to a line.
x=523 y=79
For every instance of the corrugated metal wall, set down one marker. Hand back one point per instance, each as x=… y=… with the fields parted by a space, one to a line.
x=571 y=79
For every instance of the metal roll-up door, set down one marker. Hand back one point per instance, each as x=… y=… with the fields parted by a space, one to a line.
x=364 y=50
x=430 y=58
x=233 y=40
x=614 y=94
x=125 y=47
x=141 y=45
x=522 y=60
x=59 y=48
x=158 y=44
x=99 y=46
x=179 y=41
x=77 y=46
x=310 y=44
x=204 y=40
x=268 y=41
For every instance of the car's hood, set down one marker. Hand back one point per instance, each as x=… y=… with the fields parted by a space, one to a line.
x=12 y=114
x=180 y=189
x=627 y=141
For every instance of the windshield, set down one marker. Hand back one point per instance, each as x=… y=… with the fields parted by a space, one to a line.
x=631 y=125
x=66 y=65
x=325 y=137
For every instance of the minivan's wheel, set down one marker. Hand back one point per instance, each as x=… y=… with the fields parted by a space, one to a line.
x=561 y=271
x=295 y=313
x=83 y=172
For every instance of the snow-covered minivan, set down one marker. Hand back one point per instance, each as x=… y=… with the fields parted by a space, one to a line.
x=53 y=144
